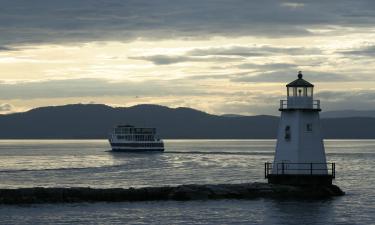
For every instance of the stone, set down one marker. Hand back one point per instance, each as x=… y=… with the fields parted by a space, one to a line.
x=180 y=193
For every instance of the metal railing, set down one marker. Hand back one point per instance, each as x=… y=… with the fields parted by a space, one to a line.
x=312 y=169
x=314 y=104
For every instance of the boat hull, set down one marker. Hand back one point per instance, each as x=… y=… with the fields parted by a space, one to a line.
x=137 y=147
x=116 y=149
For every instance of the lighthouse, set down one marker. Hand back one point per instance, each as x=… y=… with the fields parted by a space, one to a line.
x=300 y=156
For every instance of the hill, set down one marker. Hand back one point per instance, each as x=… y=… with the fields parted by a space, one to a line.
x=96 y=121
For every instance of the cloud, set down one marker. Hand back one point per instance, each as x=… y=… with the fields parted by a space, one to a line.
x=227 y=54
x=91 y=87
x=264 y=103
x=363 y=51
x=268 y=66
x=250 y=103
x=249 y=51
x=172 y=59
x=285 y=76
x=349 y=95
x=5 y=48
x=228 y=51
x=349 y=99
x=216 y=76
x=293 y=5
x=54 y=21
x=5 y=107
x=177 y=93
x=163 y=59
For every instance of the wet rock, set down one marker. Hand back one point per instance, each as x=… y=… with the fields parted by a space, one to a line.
x=181 y=193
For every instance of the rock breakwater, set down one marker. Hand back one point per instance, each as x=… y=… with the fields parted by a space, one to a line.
x=181 y=192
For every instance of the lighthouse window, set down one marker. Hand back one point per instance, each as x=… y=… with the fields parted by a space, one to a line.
x=287 y=133
x=309 y=127
x=290 y=91
x=309 y=91
x=300 y=91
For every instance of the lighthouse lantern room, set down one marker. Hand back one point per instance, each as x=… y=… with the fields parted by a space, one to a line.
x=300 y=156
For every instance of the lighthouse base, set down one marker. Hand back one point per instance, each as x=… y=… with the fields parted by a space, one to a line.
x=299 y=179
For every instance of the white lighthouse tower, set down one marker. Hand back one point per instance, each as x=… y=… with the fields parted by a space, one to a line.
x=300 y=157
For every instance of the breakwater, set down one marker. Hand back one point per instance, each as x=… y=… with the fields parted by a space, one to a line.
x=181 y=192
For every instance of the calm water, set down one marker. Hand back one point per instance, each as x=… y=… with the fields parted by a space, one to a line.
x=89 y=163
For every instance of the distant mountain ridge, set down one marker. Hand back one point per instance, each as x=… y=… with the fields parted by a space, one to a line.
x=348 y=113
x=95 y=121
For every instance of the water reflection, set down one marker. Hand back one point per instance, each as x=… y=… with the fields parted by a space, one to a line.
x=299 y=212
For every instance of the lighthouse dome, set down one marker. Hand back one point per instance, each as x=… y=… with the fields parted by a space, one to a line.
x=300 y=82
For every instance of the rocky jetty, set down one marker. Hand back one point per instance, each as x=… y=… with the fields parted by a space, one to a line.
x=182 y=193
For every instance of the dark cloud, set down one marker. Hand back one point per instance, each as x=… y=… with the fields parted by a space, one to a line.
x=285 y=76
x=268 y=66
x=163 y=59
x=248 y=51
x=349 y=99
x=228 y=54
x=5 y=48
x=349 y=95
x=90 y=87
x=25 y=21
x=172 y=59
x=363 y=51
x=231 y=51
x=216 y=76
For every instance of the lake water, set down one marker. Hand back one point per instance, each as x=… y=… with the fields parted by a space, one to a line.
x=65 y=163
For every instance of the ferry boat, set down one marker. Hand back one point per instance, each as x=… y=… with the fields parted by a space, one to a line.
x=128 y=138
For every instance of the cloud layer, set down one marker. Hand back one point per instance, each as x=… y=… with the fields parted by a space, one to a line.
x=89 y=87
x=228 y=53
x=221 y=56
x=25 y=21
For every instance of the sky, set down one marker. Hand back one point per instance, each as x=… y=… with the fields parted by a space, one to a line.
x=218 y=56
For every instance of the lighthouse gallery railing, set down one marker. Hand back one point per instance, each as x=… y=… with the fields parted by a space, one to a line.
x=285 y=104
x=286 y=168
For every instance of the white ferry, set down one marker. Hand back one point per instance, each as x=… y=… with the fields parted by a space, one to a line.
x=135 y=139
